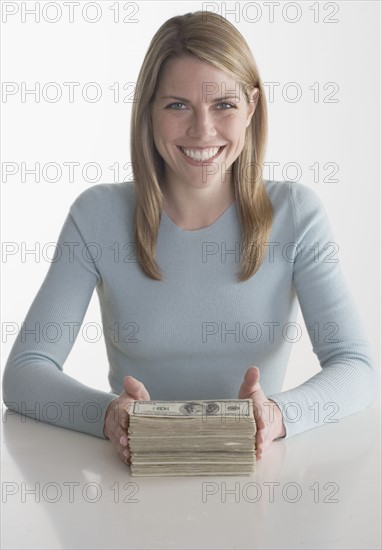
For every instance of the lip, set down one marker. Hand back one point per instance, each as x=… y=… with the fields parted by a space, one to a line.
x=194 y=162
x=200 y=148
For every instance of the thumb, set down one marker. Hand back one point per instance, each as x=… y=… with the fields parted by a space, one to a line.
x=135 y=388
x=250 y=383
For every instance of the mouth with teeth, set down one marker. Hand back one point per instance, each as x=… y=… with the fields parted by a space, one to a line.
x=201 y=155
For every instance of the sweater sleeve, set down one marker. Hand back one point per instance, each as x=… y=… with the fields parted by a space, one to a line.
x=346 y=384
x=34 y=383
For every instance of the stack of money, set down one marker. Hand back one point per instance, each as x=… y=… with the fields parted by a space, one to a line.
x=182 y=438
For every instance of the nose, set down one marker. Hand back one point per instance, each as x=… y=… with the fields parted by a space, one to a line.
x=201 y=125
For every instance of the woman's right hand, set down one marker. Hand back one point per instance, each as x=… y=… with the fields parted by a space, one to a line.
x=117 y=418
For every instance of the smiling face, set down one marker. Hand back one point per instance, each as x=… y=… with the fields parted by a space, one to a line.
x=199 y=118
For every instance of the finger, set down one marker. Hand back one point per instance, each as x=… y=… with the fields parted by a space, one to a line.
x=135 y=388
x=250 y=383
x=123 y=452
x=260 y=438
x=123 y=419
x=120 y=414
x=121 y=449
x=259 y=444
x=263 y=442
x=261 y=450
x=259 y=412
x=125 y=456
x=121 y=435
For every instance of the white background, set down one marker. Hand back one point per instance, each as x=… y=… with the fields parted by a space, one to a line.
x=306 y=132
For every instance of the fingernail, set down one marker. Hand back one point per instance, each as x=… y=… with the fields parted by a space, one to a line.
x=126 y=454
x=123 y=440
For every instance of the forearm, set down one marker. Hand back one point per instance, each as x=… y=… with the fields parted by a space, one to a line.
x=47 y=394
x=334 y=393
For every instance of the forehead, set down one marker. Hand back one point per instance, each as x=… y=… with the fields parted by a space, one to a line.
x=188 y=73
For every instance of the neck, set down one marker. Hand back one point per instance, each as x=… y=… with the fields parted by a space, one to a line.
x=195 y=208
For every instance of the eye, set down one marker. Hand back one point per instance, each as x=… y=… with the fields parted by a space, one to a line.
x=173 y=106
x=230 y=105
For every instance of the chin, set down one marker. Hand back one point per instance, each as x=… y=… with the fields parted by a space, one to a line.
x=199 y=183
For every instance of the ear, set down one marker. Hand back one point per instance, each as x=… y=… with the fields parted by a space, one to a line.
x=253 y=99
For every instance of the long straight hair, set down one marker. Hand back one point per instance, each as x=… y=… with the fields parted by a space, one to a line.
x=210 y=38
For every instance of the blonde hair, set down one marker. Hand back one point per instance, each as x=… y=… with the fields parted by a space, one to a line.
x=212 y=39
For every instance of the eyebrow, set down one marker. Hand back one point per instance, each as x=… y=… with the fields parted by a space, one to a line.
x=228 y=96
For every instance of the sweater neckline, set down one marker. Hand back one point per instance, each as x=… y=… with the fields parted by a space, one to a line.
x=218 y=220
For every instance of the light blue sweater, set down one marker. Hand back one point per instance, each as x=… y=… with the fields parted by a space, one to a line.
x=194 y=334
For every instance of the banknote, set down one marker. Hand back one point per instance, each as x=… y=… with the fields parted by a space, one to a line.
x=227 y=408
x=196 y=437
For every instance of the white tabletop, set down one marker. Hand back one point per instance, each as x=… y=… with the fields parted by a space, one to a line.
x=319 y=489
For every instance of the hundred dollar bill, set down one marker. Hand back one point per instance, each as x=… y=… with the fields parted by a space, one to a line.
x=226 y=407
x=194 y=470
x=209 y=437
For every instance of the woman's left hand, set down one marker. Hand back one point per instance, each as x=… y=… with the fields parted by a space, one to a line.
x=269 y=420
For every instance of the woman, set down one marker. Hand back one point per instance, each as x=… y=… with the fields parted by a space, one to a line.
x=215 y=260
